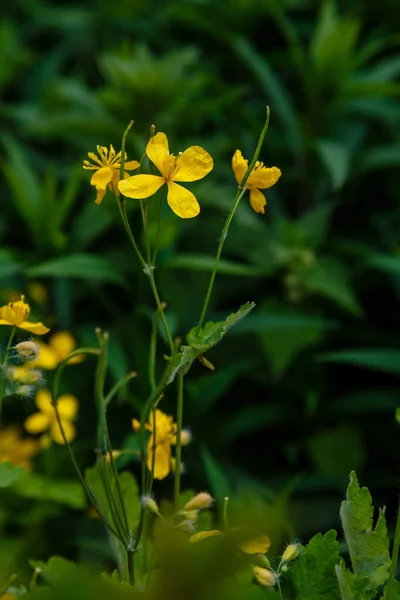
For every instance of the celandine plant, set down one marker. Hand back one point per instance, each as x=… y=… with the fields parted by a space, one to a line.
x=163 y=549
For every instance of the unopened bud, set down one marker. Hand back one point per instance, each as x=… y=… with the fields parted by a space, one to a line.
x=136 y=424
x=25 y=390
x=284 y=568
x=264 y=577
x=199 y=502
x=263 y=561
x=115 y=454
x=291 y=552
x=186 y=525
x=191 y=515
x=186 y=437
x=151 y=505
x=27 y=350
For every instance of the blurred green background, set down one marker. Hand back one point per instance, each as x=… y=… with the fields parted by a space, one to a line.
x=306 y=387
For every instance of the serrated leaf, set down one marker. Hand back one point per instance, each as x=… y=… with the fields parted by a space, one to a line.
x=352 y=588
x=392 y=591
x=313 y=573
x=200 y=341
x=9 y=474
x=368 y=547
x=79 y=266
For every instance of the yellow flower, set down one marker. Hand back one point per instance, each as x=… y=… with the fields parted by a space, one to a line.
x=15 y=449
x=46 y=419
x=107 y=169
x=247 y=541
x=191 y=165
x=16 y=314
x=162 y=436
x=260 y=178
x=58 y=348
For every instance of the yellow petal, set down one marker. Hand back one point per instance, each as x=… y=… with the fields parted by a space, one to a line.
x=239 y=165
x=131 y=165
x=257 y=545
x=36 y=328
x=257 y=200
x=182 y=201
x=202 y=535
x=140 y=186
x=37 y=423
x=264 y=177
x=69 y=431
x=43 y=402
x=193 y=164
x=162 y=462
x=136 y=425
x=100 y=195
x=101 y=178
x=157 y=149
x=48 y=358
x=63 y=343
x=67 y=406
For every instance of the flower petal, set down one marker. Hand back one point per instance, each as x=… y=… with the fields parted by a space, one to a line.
x=157 y=149
x=202 y=535
x=48 y=358
x=257 y=200
x=37 y=423
x=264 y=177
x=43 y=402
x=36 y=328
x=239 y=165
x=69 y=430
x=193 y=164
x=67 y=406
x=101 y=178
x=258 y=545
x=162 y=462
x=131 y=165
x=140 y=186
x=182 y=201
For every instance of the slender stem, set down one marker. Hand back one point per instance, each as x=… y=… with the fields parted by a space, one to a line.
x=123 y=153
x=120 y=383
x=10 y=341
x=124 y=217
x=395 y=554
x=179 y=419
x=225 y=513
x=116 y=517
x=153 y=351
x=131 y=567
x=160 y=308
x=162 y=196
x=239 y=194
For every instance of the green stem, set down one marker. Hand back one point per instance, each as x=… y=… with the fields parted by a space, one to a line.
x=179 y=419
x=3 y=359
x=160 y=308
x=123 y=152
x=153 y=260
x=153 y=351
x=131 y=567
x=238 y=197
x=225 y=513
x=120 y=383
x=115 y=516
x=124 y=217
x=395 y=554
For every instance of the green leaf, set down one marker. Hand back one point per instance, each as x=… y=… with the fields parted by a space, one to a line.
x=380 y=157
x=202 y=340
x=313 y=573
x=39 y=487
x=392 y=592
x=337 y=160
x=219 y=483
x=337 y=451
x=380 y=359
x=330 y=278
x=9 y=474
x=352 y=588
x=56 y=571
x=200 y=262
x=368 y=546
x=80 y=266
x=9 y=265
x=386 y=263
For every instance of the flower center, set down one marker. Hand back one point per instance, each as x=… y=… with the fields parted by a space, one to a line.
x=15 y=312
x=170 y=166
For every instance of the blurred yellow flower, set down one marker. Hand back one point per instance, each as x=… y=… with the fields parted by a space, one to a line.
x=191 y=165
x=59 y=346
x=19 y=451
x=260 y=178
x=107 y=170
x=248 y=542
x=15 y=314
x=46 y=420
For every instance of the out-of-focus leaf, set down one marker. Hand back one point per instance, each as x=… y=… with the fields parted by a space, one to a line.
x=337 y=160
x=251 y=418
x=337 y=451
x=368 y=545
x=366 y=401
x=9 y=474
x=39 y=487
x=9 y=265
x=315 y=223
x=386 y=263
x=199 y=262
x=330 y=278
x=380 y=359
x=219 y=484
x=381 y=157
x=80 y=266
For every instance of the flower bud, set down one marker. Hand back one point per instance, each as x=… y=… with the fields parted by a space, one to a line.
x=284 y=568
x=263 y=561
x=151 y=505
x=186 y=525
x=136 y=424
x=291 y=552
x=191 y=515
x=27 y=350
x=186 y=437
x=264 y=577
x=199 y=502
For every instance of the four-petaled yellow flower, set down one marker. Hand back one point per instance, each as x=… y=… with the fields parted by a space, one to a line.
x=46 y=419
x=58 y=348
x=162 y=436
x=16 y=314
x=260 y=178
x=191 y=165
x=107 y=169
x=15 y=449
